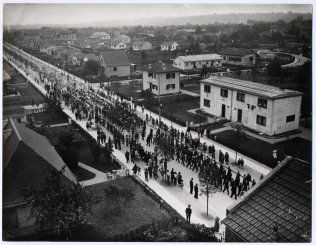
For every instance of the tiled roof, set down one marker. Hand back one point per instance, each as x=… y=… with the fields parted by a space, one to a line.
x=282 y=199
x=168 y=43
x=236 y=52
x=30 y=155
x=160 y=68
x=115 y=42
x=200 y=57
x=115 y=58
x=249 y=87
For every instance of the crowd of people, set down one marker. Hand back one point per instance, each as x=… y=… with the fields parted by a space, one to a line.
x=127 y=128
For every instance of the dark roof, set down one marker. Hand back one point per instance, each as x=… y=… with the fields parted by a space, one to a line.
x=13 y=112
x=235 y=52
x=160 y=68
x=115 y=58
x=27 y=157
x=282 y=199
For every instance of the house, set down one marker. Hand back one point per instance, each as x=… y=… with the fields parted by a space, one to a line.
x=238 y=56
x=80 y=58
x=277 y=209
x=161 y=78
x=116 y=44
x=169 y=46
x=228 y=31
x=28 y=158
x=142 y=45
x=65 y=53
x=123 y=38
x=191 y=62
x=100 y=36
x=67 y=35
x=262 y=108
x=114 y=63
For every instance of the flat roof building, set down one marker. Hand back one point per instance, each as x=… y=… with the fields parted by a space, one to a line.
x=263 y=108
x=191 y=62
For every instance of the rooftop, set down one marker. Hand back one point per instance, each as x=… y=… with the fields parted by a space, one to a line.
x=283 y=199
x=249 y=87
x=236 y=52
x=160 y=68
x=168 y=43
x=115 y=58
x=200 y=57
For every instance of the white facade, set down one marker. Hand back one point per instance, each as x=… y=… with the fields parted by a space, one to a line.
x=142 y=45
x=117 y=45
x=191 y=62
x=161 y=83
x=169 y=46
x=278 y=115
x=100 y=36
x=247 y=60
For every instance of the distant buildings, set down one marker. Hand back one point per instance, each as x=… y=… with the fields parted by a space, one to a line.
x=142 y=45
x=81 y=58
x=123 y=38
x=191 y=62
x=266 y=109
x=277 y=209
x=169 y=46
x=161 y=78
x=100 y=36
x=116 y=44
x=114 y=63
x=27 y=159
x=238 y=56
x=251 y=22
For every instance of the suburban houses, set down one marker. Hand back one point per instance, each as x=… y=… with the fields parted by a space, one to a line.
x=161 y=78
x=142 y=45
x=191 y=62
x=123 y=38
x=116 y=44
x=100 y=36
x=263 y=108
x=238 y=57
x=80 y=58
x=169 y=46
x=114 y=63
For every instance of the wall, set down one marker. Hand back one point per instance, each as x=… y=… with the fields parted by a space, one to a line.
x=161 y=82
x=283 y=108
x=120 y=72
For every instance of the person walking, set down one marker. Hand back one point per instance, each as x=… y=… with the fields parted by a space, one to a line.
x=127 y=156
x=135 y=168
x=191 y=186
x=188 y=212
x=196 y=191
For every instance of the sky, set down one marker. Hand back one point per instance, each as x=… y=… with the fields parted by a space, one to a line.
x=74 y=13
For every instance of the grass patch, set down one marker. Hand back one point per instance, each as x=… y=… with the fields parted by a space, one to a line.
x=29 y=94
x=49 y=119
x=261 y=151
x=107 y=222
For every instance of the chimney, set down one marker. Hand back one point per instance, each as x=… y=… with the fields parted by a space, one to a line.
x=275 y=234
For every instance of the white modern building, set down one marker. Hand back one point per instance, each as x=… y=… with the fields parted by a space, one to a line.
x=191 y=62
x=265 y=109
x=161 y=78
x=238 y=57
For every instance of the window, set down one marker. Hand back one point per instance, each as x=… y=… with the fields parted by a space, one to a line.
x=241 y=97
x=263 y=103
x=173 y=75
x=207 y=88
x=150 y=74
x=207 y=103
x=261 y=120
x=167 y=76
x=114 y=68
x=234 y=59
x=170 y=86
x=290 y=118
x=155 y=87
x=224 y=93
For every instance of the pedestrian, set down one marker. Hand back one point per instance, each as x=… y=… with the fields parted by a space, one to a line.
x=127 y=156
x=196 y=191
x=233 y=189
x=226 y=158
x=188 y=212
x=191 y=186
x=226 y=185
x=261 y=176
x=135 y=168
x=253 y=183
x=146 y=174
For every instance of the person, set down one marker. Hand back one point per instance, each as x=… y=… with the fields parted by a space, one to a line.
x=135 y=169
x=191 y=186
x=261 y=176
x=188 y=212
x=146 y=174
x=127 y=156
x=234 y=189
x=253 y=183
x=226 y=158
x=196 y=191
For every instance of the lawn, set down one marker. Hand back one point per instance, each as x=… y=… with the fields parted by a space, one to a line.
x=261 y=151
x=49 y=119
x=176 y=108
x=107 y=221
x=84 y=145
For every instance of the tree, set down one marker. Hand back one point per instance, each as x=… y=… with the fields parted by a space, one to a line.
x=91 y=67
x=164 y=146
x=274 y=68
x=67 y=150
x=208 y=179
x=198 y=30
x=147 y=95
x=122 y=197
x=57 y=207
